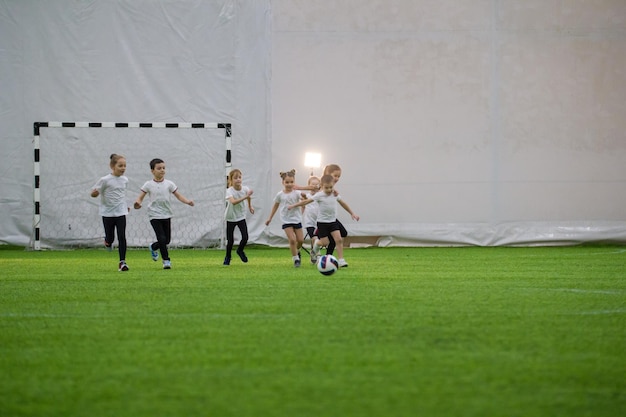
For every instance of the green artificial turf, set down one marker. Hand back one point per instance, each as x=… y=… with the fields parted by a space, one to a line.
x=400 y=332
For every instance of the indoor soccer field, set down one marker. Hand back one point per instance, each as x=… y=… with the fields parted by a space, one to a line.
x=476 y=152
x=465 y=331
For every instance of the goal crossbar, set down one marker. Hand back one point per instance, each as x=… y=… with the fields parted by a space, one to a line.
x=37 y=126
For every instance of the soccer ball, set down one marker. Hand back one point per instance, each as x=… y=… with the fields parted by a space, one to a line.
x=327 y=264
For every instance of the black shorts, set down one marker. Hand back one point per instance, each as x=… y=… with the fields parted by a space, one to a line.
x=294 y=225
x=325 y=229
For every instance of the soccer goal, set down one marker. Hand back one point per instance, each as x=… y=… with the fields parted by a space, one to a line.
x=69 y=157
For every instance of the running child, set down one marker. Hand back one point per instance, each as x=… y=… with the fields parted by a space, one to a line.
x=334 y=170
x=237 y=195
x=291 y=219
x=309 y=213
x=113 y=207
x=327 y=224
x=160 y=209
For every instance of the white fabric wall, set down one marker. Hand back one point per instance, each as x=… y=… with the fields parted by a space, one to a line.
x=456 y=121
x=459 y=121
x=129 y=61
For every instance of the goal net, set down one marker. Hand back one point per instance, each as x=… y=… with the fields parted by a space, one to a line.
x=70 y=157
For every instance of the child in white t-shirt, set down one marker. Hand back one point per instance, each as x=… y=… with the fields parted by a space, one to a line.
x=327 y=224
x=160 y=209
x=113 y=207
x=237 y=195
x=309 y=213
x=291 y=219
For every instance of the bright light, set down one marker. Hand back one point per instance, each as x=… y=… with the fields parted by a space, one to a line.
x=312 y=160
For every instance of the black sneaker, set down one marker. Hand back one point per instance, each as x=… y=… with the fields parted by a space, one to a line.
x=242 y=255
x=296 y=263
x=227 y=260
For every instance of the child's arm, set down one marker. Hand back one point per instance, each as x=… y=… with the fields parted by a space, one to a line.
x=234 y=200
x=306 y=187
x=300 y=203
x=348 y=209
x=274 y=208
x=250 y=203
x=97 y=188
x=183 y=199
x=139 y=200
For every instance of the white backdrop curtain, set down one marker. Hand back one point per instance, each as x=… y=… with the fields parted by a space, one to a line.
x=457 y=122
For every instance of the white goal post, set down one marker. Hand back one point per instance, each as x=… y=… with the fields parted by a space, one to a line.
x=69 y=159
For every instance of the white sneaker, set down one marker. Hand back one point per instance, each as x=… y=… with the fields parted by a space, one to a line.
x=167 y=264
x=342 y=263
x=313 y=256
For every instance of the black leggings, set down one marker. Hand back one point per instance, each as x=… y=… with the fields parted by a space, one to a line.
x=163 y=230
x=119 y=223
x=331 y=242
x=230 y=236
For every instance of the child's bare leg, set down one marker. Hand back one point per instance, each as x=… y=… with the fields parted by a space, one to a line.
x=338 y=242
x=299 y=235
x=323 y=242
x=293 y=242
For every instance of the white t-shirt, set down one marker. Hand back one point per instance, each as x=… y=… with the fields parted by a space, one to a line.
x=112 y=191
x=293 y=216
x=236 y=212
x=327 y=204
x=160 y=193
x=309 y=217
